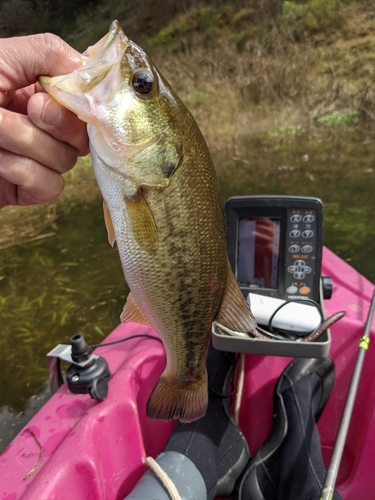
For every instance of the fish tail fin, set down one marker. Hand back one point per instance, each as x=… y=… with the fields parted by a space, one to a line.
x=172 y=399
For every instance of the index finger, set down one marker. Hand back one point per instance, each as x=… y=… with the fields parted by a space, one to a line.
x=59 y=122
x=23 y=59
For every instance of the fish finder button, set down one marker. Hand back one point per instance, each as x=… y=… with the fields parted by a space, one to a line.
x=307 y=249
x=308 y=233
x=294 y=249
x=295 y=218
x=295 y=233
x=299 y=275
x=308 y=218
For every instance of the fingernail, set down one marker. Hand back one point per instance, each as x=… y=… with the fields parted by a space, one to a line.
x=52 y=113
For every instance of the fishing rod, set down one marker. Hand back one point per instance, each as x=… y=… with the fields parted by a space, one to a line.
x=333 y=468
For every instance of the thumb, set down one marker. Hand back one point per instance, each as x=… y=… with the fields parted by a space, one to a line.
x=23 y=59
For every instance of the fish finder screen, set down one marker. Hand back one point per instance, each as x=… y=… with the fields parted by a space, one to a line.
x=258 y=252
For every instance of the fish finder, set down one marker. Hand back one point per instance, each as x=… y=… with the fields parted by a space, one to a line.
x=275 y=245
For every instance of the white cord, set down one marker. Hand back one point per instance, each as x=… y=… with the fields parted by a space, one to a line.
x=164 y=478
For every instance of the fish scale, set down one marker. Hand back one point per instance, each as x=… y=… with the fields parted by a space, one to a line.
x=163 y=208
x=181 y=297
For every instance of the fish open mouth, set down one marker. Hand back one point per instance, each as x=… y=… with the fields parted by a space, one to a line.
x=116 y=92
x=99 y=59
x=72 y=90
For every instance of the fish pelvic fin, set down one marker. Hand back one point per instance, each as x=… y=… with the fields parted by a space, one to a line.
x=173 y=399
x=109 y=224
x=133 y=313
x=234 y=312
x=142 y=222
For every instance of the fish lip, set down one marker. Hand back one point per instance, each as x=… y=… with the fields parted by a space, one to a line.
x=94 y=62
x=110 y=38
x=114 y=29
x=97 y=62
x=72 y=90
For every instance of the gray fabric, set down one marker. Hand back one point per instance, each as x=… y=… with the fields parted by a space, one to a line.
x=182 y=472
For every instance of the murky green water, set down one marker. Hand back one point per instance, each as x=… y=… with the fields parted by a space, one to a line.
x=337 y=167
x=72 y=282
x=49 y=290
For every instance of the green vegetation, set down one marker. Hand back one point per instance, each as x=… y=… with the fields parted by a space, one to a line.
x=345 y=118
x=285 y=132
x=53 y=288
x=269 y=68
x=310 y=17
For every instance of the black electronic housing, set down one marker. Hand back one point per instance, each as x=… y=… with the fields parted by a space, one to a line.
x=290 y=212
x=87 y=378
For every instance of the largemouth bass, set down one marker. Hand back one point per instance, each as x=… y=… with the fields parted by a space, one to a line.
x=162 y=206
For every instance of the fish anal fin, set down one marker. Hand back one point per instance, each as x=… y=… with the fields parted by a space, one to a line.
x=234 y=312
x=133 y=313
x=142 y=222
x=174 y=399
x=109 y=224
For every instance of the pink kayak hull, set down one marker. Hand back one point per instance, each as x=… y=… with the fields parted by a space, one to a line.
x=77 y=448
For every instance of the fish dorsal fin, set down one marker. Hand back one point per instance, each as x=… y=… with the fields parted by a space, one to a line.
x=109 y=224
x=233 y=312
x=143 y=222
x=133 y=313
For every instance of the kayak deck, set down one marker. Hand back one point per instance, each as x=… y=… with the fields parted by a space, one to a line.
x=76 y=447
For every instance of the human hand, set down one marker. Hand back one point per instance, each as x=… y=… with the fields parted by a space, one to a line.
x=39 y=140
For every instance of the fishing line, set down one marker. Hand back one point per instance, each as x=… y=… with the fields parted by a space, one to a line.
x=148 y=336
x=306 y=301
x=140 y=335
x=231 y=384
x=274 y=335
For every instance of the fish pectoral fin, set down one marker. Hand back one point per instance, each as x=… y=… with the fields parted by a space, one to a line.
x=234 y=312
x=133 y=313
x=109 y=224
x=143 y=222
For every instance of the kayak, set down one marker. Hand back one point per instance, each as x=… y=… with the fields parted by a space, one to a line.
x=76 y=447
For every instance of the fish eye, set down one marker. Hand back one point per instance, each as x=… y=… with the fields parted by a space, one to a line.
x=142 y=82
